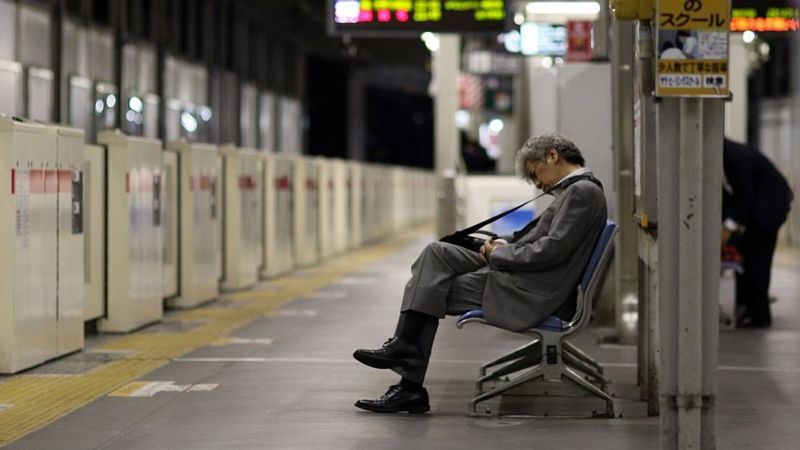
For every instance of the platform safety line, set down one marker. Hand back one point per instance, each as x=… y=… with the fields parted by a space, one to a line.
x=36 y=401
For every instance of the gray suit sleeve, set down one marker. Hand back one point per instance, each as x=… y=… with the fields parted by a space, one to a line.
x=570 y=224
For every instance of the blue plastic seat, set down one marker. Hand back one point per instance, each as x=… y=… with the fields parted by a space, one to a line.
x=549 y=357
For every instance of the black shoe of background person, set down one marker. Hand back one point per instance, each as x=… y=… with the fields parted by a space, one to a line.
x=749 y=322
x=398 y=399
x=394 y=353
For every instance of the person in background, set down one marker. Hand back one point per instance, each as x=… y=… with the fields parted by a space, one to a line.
x=476 y=159
x=755 y=202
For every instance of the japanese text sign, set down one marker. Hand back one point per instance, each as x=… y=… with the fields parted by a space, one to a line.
x=692 y=48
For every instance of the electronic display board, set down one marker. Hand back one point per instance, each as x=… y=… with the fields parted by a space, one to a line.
x=765 y=18
x=543 y=39
x=393 y=17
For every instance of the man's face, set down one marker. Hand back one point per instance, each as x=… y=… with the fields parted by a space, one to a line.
x=544 y=173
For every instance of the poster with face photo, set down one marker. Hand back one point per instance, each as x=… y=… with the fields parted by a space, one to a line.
x=692 y=48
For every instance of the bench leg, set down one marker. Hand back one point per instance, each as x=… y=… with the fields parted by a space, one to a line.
x=522 y=363
x=575 y=351
x=590 y=371
x=530 y=347
x=571 y=375
x=531 y=375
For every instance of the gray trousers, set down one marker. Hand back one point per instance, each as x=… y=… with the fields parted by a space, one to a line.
x=445 y=280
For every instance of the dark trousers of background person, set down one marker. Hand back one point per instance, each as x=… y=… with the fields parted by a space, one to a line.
x=757 y=246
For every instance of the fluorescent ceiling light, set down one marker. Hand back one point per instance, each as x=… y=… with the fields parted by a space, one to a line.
x=565 y=8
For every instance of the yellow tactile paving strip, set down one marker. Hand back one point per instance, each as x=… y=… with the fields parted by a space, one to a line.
x=37 y=400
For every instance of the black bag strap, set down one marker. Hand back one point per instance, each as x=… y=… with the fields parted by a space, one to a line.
x=569 y=181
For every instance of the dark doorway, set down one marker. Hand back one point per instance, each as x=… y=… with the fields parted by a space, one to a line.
x=327 y=106
x=399 y=128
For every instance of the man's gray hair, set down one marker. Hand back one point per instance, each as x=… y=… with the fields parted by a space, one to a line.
x=535 y=149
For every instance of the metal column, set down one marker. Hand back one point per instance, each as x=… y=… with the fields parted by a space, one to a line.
x=625 y=261
x=688 y=250
x=645 y=193
x=445 y=78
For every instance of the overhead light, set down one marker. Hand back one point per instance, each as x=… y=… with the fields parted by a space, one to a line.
x=135 y=104
x=748 y=36
x=189 y=122
x=563 y=8
x=431 y=40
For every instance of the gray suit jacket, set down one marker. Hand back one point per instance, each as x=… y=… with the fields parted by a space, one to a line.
x=531 y=277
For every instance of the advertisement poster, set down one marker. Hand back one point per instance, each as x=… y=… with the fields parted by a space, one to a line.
x=692 y=48
x=579 y=40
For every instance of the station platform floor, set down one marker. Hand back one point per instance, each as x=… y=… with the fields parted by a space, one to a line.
x=271 y=367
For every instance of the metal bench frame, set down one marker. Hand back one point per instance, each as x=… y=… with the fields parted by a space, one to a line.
x=549 y=357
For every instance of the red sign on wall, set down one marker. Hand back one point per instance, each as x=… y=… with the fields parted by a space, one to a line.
x=579 y=40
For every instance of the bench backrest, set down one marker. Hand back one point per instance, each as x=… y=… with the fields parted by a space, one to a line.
x=593 y=274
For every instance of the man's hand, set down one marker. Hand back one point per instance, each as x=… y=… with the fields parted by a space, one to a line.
x=487 y=248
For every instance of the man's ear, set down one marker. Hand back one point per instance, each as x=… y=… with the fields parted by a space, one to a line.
x=554 y=155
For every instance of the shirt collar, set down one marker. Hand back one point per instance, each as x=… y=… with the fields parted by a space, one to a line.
x=557 y=187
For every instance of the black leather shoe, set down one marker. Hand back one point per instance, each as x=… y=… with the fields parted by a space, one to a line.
x=394 y=353
x=398 y=399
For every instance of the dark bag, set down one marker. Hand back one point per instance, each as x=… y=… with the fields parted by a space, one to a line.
x=464 y=238
x=469 y=241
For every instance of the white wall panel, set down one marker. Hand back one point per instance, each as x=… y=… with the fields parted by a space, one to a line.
x=146 y=65
x=80 y=108
x=278 y=220
x=291 y=127
x=135 y=232
x=243 y=236
x=326 y=208
x=28 y=317
x=75 y=61
x=355 y=204
x=34 y=36
x=340 y=203
x=169 y=213
x=11 y=88
x=101 y=55
x=306 y=211
x=248 y=116
x=93 y=232
x=70 y=276
x=558 y=98
x=266 y=122
x=8 y=30
x=130 y=56
x=39 y=95
x=200 y=230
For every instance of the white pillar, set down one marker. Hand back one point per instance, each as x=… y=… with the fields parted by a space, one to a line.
x=446 y=65
x=736 y=109
x=645 y=193
x=667 y=155
x=625 y=260
x=690 y=274
x=689 y=224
